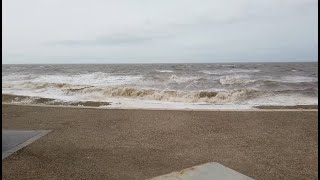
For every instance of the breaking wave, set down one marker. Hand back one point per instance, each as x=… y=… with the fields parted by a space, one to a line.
x=173 y=96
x=228 y=80
x=232 y=96
x=175 y=78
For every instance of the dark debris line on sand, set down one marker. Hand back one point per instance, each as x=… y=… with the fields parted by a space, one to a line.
x=7 y=98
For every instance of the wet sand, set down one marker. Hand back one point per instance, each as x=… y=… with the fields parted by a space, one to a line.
x=8 y=98
x=288 y=107
x=138 y=144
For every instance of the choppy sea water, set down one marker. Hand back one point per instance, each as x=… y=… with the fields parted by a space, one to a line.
x=176 y=86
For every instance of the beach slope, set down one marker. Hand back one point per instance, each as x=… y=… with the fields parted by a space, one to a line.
x=93 y=143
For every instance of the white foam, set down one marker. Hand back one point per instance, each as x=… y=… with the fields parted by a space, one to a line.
x=236 y=79
x=210 y=72
x=297 y=79
x=229 y=71
x=182 y=79
x=16 y=81
x=16 y=77
x=141 y=104
x=89 y=79
x=283 y=100
x=164 y=71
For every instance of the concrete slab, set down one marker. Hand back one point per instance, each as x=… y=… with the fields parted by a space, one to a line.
x=14 y=140
x=208 y=171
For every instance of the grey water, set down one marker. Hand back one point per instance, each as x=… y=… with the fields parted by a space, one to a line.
x=243 y=83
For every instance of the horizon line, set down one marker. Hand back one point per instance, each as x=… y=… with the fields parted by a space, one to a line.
x=256 y=62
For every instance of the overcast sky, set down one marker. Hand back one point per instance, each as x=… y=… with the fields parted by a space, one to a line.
x=145 y=31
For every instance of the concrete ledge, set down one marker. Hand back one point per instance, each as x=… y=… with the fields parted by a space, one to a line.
x=14 y=140
x=208 y=171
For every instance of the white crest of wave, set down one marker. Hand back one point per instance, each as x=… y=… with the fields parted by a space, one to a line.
x=164 y=71
x=166 y=95
x=16 y=77
x=297 y=79
x=229 y=71
x=237 y=79
x=81 y=79
x=283 y=99
x=101 y=92
x=182 y=79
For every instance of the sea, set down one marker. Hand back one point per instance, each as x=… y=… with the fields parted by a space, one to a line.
x=170 y=86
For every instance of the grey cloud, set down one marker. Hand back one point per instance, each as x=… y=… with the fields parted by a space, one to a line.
x=119 y=39
x=163 y=31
